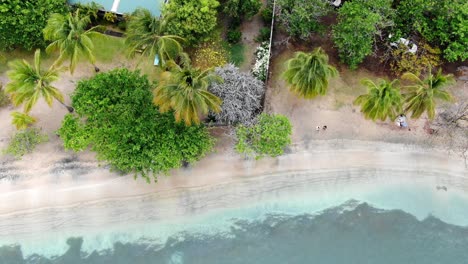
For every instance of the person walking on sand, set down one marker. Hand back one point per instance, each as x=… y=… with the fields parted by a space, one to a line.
x=325 y=127
x=317 y=128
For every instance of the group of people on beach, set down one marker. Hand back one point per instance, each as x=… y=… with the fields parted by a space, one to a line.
x=401 y=121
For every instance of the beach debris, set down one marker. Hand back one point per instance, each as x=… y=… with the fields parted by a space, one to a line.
x=441 y=188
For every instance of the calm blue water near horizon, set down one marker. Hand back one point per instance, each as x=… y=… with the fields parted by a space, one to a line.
x=351 y=233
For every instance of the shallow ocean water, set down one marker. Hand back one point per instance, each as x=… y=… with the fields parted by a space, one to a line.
x=293 y=218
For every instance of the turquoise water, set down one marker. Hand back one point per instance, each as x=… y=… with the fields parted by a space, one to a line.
x=275 y=220
x=337 y=235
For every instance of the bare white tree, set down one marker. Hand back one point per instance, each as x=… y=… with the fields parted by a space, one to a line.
x=451 y=125
x=241 y=94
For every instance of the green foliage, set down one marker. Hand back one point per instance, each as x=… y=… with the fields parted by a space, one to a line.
x=71 y=37
x=404 y=61
x=420 y=96
x=186 y=93
x=4 y=99
x=209 y=55
x=24 y=142
x=110 y=17
x=382 y=101
x=308 y=73
x=22 y=120
x=31 y=82
x=267 y=13
x=22 y=22
x=236 y=53
x=89 y=9
x=234 y=36
x=242 y=8
x=263 y=35
x=117 y=119
x=146 y=35
x=269 y=136
x=300 y=18
x=358 y=23
x=442 y=23
x=193 y=20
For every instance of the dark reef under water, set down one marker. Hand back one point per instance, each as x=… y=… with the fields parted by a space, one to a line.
x=359 y=235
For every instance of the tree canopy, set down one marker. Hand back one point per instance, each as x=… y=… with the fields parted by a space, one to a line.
x=192 y=20
x=115 y=116
x=382 y=101
x=22 y=22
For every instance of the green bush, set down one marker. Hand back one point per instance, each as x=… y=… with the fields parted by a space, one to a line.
x=234 y=36
x=269 y=136
x=192 y=20
x=267 y=15
x=236 y=54
x=242 y=8
x=263 y=35
x=24 y=142
x=22 y=21
x=116 y=117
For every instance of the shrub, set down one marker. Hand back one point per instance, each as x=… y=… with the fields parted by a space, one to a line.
x=268 y=137
x=234 y=36
x=209 y=55
x=264 y=34
x=403 y=61
x=24 y=142
x=300 y=18
x=267 y=14
x=242 y=8
x=89 y=9
x=241 y=93
x=236 y=54
x=22 y=22
x=110 y=17
x=116 y=117
x=192 y=20
x=262 y=57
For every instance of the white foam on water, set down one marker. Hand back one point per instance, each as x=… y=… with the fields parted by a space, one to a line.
x=416 y=196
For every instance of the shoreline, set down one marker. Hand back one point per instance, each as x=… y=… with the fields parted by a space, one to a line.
x=218 y=169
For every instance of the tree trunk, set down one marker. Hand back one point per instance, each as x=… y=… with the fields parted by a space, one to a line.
x=69 y=108
x=96 y=69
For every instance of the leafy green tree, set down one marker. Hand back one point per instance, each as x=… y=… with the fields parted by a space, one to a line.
x=242 y=8
x=308 y=73
x=186 y=93
x=301 y=18
x=25 y=141
x=116 y=118
x=193 y=20
x=22 y=120
x=359 y=21
x=269 y=136
x=146 y=34
x=22 y=21
x=31 y=82
x=72 y=38
x=421 y=95
x=443 y=23
x=382 y=101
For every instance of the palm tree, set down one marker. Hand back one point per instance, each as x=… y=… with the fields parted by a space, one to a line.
x=69 y=35
x=308 y=74
x=381 y=101
x=145 y=34
x=22 y=120
x=185 y=91
x=29 y=83
x=421 y=95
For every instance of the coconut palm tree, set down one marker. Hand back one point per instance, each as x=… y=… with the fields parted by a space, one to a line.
x=382 y=101
x=308 y=73
x=30 y=82
x=145 y=34
x=70 y=36
x=185 y=91
x=22 y=120
x=421 y=95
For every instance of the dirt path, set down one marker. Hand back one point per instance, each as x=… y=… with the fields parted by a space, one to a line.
x=250 y=30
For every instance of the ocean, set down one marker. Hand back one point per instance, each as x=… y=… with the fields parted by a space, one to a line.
x=378 y=222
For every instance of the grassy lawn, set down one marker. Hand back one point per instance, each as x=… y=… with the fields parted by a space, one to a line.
x=109 y=49
x=236 y=54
